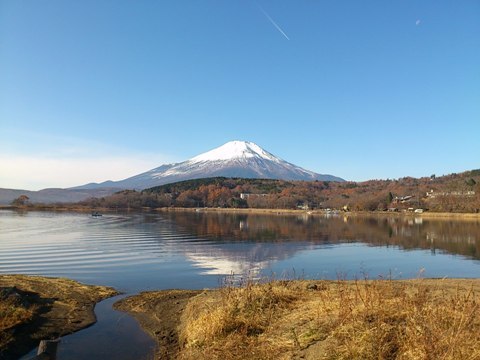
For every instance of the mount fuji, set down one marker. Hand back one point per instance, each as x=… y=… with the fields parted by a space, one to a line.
x=240 y=159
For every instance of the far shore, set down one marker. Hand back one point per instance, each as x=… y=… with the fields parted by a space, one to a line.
x=425 y=214
x=317 y=212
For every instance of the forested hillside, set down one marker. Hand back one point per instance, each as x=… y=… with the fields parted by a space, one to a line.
x=450 y=193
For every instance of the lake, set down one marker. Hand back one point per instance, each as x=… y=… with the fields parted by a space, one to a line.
x=137 y=252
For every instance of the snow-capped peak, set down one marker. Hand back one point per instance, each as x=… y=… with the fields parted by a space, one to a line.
x=235 y=150
x=239 y=159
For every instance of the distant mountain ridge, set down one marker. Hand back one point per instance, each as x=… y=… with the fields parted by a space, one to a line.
x=54 y=195
x=240 y=159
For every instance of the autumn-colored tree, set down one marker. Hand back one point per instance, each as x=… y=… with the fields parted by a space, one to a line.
x=455 y=192
x=21 y=200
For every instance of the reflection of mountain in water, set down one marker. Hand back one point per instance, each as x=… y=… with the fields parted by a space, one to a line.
x=214 y=251
x=229 y=237
x=168 y=250
x=240 y=258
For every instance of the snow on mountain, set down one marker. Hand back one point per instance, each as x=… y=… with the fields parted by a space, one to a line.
x=234 y=159
x=235 y=150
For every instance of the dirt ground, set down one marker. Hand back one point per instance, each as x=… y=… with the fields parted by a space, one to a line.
x=159 y=312
x=58 y=307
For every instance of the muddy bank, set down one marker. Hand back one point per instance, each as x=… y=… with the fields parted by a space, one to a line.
x=159 y=313
x=35 y=308
x=313 y=319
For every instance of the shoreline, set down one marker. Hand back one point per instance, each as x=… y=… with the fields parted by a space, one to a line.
x=254 y=211
x=180 y=321
x=53 y=307
x=253 y=313
x=425 y=214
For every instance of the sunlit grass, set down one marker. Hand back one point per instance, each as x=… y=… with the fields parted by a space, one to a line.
x=13 y=311
x=381 y=319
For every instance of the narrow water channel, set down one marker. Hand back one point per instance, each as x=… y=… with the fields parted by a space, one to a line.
x=107 y=338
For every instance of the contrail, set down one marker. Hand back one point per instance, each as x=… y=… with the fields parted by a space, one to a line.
x=274 y=23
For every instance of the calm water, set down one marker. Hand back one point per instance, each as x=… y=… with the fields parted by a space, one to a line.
x=196 y=250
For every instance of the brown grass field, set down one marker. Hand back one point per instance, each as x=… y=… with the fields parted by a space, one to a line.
x=381 y=319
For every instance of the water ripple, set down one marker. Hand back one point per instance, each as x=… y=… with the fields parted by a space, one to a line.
x=38 y=243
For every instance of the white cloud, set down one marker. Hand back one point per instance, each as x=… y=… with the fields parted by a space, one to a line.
x=32 y=172
x=33 y=161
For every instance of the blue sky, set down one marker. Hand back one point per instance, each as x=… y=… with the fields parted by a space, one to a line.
x=97 y=90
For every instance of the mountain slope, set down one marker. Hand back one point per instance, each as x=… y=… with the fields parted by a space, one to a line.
x=240 y=159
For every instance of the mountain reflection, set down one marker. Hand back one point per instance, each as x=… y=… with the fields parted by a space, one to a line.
x=230 y=236
x=175 y=249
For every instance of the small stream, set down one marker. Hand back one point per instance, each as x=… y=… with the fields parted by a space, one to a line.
x=106 y=339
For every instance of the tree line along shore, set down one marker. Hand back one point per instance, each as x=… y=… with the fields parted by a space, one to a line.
x=454 y=193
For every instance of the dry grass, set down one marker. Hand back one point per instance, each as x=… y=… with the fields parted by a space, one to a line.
x=400 y=320
x=381 y=319
x=232 y=320
x=12 y=314
x=13 y=311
